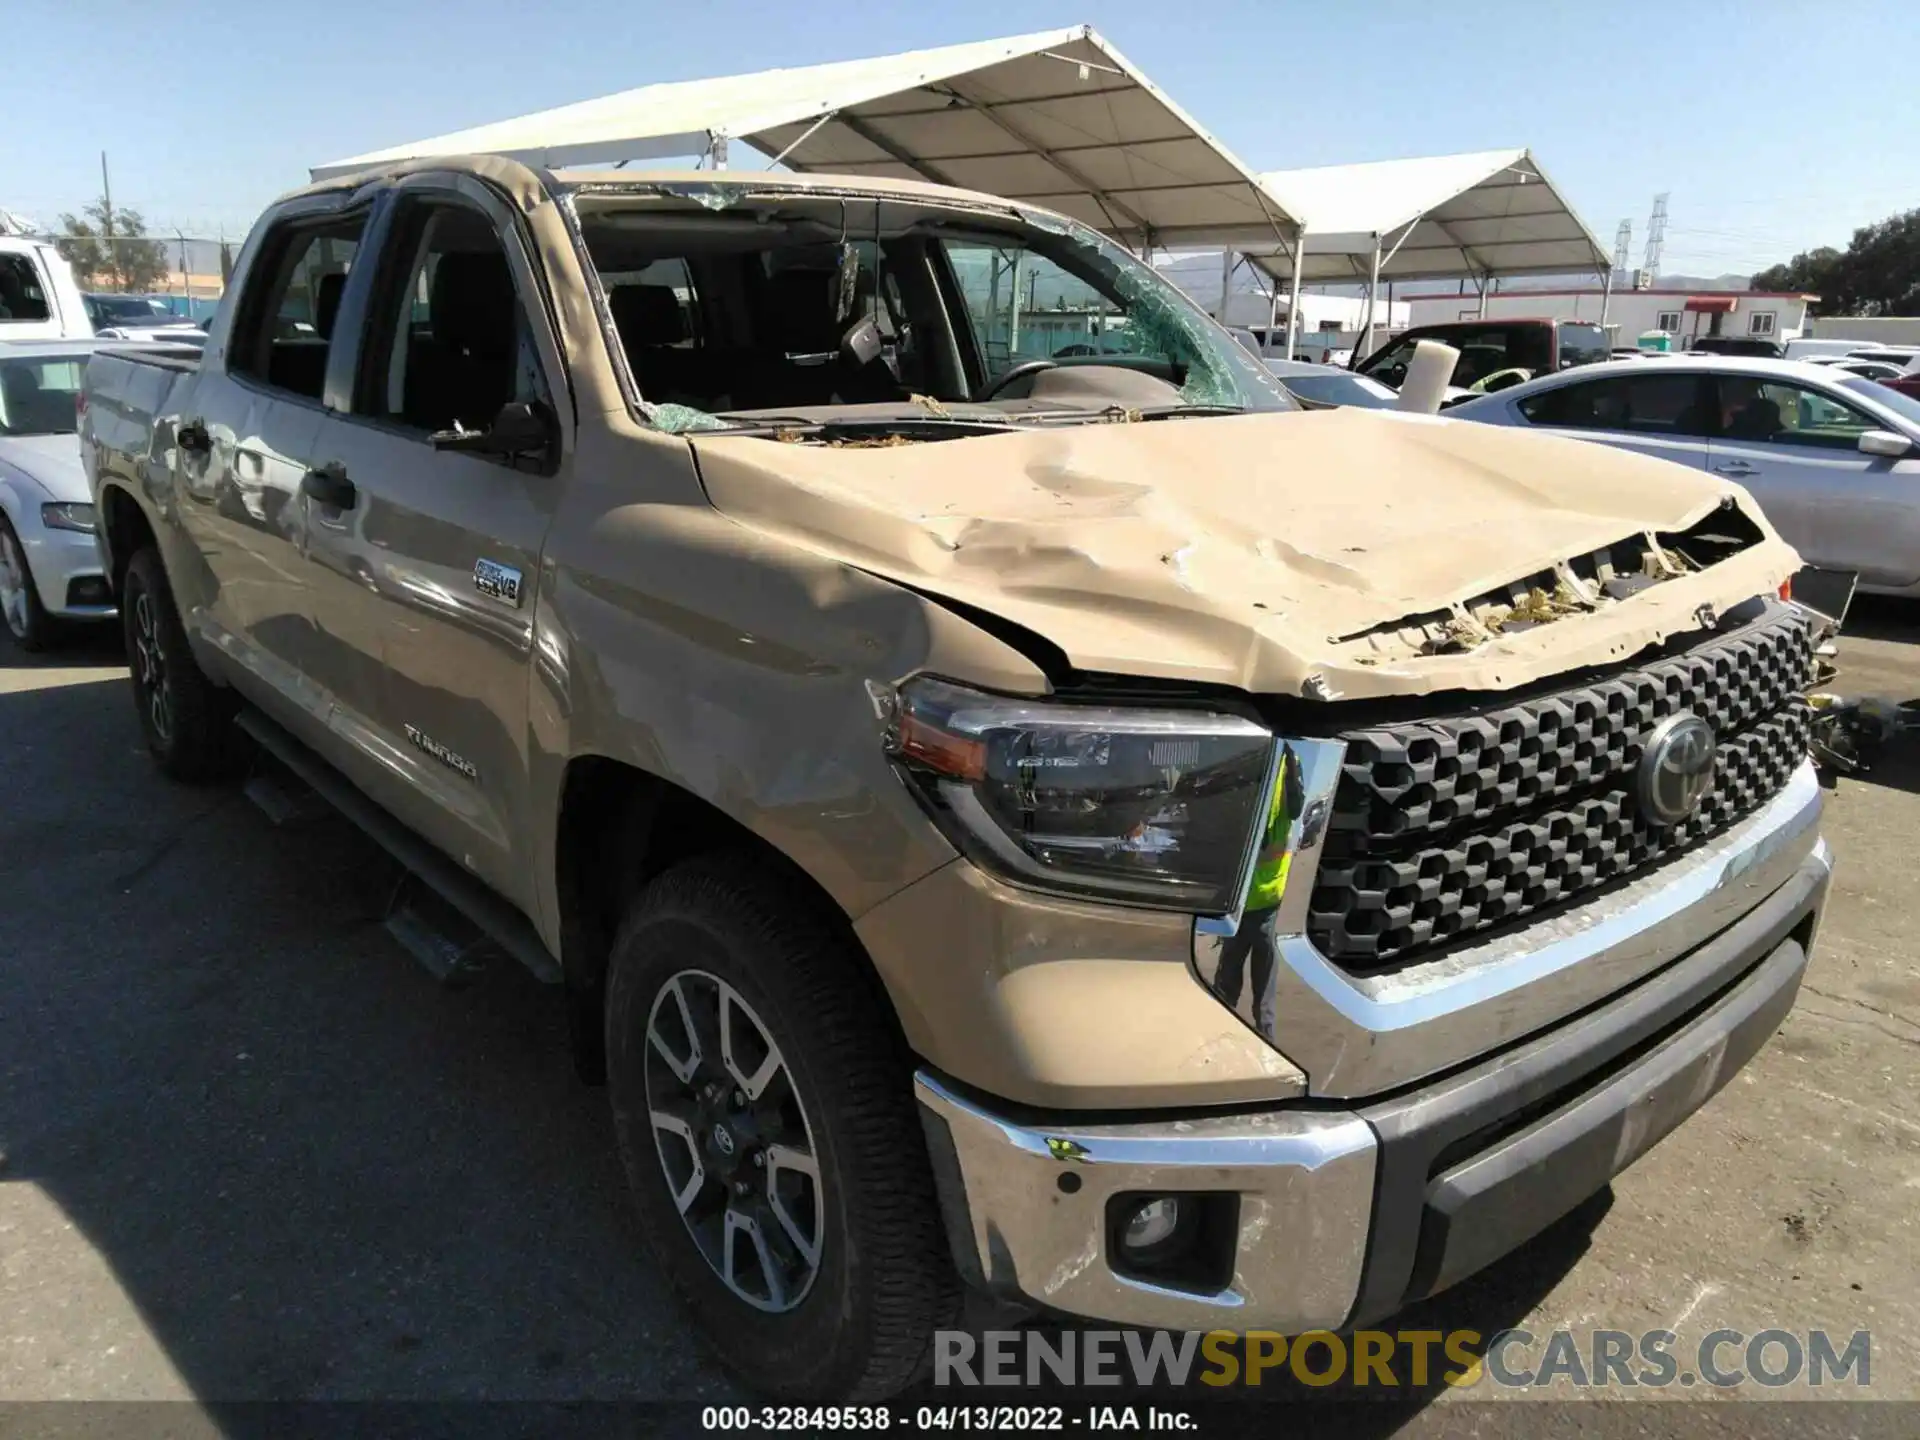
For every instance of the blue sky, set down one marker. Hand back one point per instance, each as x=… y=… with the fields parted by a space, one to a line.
x=1775 y=125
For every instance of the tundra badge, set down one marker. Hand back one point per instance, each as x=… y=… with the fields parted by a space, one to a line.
x=501 y=582
x=446 y=757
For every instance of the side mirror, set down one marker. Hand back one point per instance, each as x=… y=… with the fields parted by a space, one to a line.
x=519 y=429
x=1885 y=443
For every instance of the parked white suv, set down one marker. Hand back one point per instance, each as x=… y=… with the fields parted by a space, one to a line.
x=38 y=299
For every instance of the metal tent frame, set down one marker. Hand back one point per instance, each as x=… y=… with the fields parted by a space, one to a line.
x=1483 y=216
x=1059 y=119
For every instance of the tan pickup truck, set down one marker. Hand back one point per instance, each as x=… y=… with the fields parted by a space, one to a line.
x=1010 y=800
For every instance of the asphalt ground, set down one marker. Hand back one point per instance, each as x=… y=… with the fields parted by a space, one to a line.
x=250 y=1151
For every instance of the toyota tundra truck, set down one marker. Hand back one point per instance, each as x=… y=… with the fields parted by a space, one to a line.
x=1007 y=800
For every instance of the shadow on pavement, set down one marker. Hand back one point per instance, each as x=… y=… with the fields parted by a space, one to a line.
x=312 y=1172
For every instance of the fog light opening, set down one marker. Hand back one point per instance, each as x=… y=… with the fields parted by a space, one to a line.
x=1183 y=1240
x=1153 y=1223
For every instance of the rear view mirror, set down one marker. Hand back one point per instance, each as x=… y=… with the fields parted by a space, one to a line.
x=1885 y=443
x=863 y=343
x=846 y=285
x=519 y=429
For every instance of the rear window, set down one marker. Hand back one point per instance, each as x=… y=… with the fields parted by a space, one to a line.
x=1638 y=404
x=1484 y=350
x=22 y=297
x=285 y=324
x=1582 y=345
x=37 y=394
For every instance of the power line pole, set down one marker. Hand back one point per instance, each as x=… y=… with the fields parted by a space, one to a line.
x=106 y=224
x=1622 y=251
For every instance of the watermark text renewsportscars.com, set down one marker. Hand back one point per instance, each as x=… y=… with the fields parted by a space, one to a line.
x=1417 y=1359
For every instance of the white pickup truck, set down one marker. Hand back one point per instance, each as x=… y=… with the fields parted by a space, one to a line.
x=38 y=299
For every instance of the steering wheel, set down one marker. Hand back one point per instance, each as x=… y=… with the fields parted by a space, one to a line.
x=1018 y=372
x=1501 y=379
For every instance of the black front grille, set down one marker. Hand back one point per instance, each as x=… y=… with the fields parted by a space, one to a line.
x=1442 y=828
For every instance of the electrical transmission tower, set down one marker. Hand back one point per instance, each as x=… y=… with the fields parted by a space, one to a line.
x=1656 y=236
x=1622 y=251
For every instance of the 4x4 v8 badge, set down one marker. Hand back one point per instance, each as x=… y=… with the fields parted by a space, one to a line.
x=497 y=581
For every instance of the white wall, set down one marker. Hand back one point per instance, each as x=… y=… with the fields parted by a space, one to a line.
x=1633 y=311
x=1868 y=329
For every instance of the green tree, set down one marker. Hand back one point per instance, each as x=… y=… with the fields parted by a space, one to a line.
x=112 y=248
x=1882 y=267
x=1877 y=274
x=1812 y=272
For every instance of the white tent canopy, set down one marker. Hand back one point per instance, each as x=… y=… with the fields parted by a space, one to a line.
x=1479 y=216
x=1484 y=215
x=1059 y=119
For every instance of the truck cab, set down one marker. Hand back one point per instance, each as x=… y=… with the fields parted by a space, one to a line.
x=1493 y=353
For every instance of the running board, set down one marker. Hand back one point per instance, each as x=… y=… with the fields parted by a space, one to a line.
x=494 y=917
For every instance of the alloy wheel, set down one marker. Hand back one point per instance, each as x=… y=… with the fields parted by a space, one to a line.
x=13 y=584
x=150 y=668
x=733 y=1141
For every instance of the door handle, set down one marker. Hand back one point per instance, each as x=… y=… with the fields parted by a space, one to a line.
x=329 y=487
x=1733 y=467
x=192 y=437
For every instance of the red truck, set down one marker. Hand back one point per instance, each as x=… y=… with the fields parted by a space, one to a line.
x=1503 y=352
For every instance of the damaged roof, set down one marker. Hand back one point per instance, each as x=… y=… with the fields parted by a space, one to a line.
x=1058 y=118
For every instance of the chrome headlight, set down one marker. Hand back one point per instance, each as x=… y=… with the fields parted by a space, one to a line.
x=68 y=516
x=1147 y=807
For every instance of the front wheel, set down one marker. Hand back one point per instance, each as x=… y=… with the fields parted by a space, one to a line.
x=186 y=718
x=26 y=618
x=764 y=1107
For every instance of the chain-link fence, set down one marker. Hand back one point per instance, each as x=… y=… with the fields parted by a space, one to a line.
x=187 y=273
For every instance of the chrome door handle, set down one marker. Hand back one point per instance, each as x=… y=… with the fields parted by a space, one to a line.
x=330 y=487
x=1734 y=467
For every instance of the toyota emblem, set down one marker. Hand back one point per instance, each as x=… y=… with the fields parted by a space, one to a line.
x=722 y=1140
x=1676 y=768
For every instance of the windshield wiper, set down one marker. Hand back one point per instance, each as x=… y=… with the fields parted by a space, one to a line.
x=1169 y=412
x=930 y=427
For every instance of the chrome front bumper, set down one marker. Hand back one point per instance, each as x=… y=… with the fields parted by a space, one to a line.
x=1356 y=1036
x=1344 y=1215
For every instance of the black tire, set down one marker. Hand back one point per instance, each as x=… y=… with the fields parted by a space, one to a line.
x=186 y=718
x=31 y=628
x=884 y=1281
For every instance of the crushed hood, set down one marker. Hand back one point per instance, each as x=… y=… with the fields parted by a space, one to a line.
x=1250 y=550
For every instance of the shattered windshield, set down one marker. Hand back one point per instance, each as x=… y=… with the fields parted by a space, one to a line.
x=736 y=307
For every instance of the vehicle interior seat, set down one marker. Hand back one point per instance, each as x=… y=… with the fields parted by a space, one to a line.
x=652 y=327
x=464 y=370
x=799 y=321
x=326 y=301
x=1758 y=419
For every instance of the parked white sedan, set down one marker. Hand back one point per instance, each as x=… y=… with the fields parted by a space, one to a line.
x=49 y=565
x=1833 y=459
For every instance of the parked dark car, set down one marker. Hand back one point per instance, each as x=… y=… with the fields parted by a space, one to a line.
x=1754 y=347
x=116 y=311
x=1502 y=352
